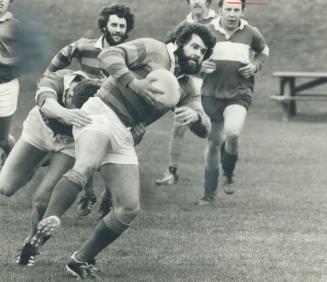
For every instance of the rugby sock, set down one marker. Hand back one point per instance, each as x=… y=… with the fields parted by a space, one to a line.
x=89 y=191
x=211 y=182
x=228 y=162
x=63 y=197
x=101 y=237
x=172 y=170
x=175 y=151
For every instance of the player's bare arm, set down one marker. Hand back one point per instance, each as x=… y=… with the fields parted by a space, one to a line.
x=76 y=117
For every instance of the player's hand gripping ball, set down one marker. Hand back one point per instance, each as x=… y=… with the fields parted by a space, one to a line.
x=167 y=82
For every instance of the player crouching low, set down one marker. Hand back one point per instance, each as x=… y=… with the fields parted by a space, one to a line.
x=47 y=128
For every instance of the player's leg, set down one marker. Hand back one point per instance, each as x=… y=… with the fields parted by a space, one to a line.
x=175 y=150
x=19 y=167
x=8 y=104
x=87 y=200
x=88 y=159
x=7 y=141
x=106 y=202
x=211 y=156
x=235 y=116
x=60 y=164
x=123 y=181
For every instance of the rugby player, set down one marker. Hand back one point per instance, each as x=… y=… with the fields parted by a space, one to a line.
x=125 y=99
x=115 y=22
x=9 y=85
x=200 y=13
x=47 y=128
x=227 y=92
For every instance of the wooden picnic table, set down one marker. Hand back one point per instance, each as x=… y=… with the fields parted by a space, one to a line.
x=291 y=91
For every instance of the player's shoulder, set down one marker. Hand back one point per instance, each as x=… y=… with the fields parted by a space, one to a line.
x=82 y=42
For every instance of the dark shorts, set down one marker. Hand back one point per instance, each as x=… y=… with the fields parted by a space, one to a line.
x=214 y=107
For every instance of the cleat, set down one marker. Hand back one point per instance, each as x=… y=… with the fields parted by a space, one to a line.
x=205 y=201
x=229 y=184
x=27 y=255
x=85 y=205
x=105 y=207
x=45 y=229
x=168 y=178
x=79 y=269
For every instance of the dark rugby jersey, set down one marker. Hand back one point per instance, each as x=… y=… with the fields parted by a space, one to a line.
x=55 y=85
x=85 y=51
x=8 y=62
x=229 y=54
x=136 y=59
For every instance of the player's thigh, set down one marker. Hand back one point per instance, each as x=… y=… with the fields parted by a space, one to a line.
x=124 y=183
x=59 y=165
x=91 y=147
x=19 y=166
x=234 y=119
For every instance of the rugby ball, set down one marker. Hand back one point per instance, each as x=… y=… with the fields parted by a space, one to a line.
x=167 y=82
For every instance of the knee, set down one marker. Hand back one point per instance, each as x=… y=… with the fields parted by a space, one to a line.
x=7 y=187
x=129 y=210
x=86 y=168
x=232 y=135
x=6 y=190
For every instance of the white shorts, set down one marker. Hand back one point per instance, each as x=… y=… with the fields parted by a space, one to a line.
x=39 y=135
x=121 y=144
x=8 y=97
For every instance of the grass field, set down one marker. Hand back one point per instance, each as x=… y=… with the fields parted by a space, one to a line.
x=272 y=229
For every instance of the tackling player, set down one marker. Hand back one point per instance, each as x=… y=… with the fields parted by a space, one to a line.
x=47 y=128
x=200 y=13
x=227 y=92
x=126 y=98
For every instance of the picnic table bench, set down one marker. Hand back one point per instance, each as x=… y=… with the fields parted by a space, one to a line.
x=290 y=91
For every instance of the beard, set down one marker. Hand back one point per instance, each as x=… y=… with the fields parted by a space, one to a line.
x=187 y=64
x=109 y=37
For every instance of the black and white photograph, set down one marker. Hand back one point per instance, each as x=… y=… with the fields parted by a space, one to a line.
x=163 y=140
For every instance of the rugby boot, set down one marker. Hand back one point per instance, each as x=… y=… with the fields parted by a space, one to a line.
x=79 y=269
x=27 y=255
x=229 y=186
x=105 y=207
x=45 y=229
x=170 y=177
x=85 y=205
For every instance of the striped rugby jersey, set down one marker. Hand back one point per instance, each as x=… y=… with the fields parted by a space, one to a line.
x=55 y=85
x=136 y=59
x=85 y=51
x=205 y=21
x=8 y=62
x=229 y=54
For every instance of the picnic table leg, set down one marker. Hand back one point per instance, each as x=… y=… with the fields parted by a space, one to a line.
x=287 y=89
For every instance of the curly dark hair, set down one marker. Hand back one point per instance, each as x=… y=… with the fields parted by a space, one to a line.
x=84 y=90
x=121 y=11
x=221 y=3
x=208 y=2
x=182 y=34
